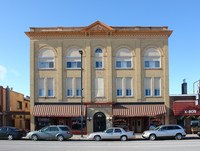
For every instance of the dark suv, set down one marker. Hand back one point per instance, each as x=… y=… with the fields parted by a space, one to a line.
x=11 y=133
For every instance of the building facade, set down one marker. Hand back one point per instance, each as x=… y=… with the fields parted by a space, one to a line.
x=14 y=109
x=125 y=76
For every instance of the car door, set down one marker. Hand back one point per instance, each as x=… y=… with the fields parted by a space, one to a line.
x=53 y=131
x=171 y=131
x=117 y=133
x=4 y=132
x=162 y=132
x=44 y=133
x=108 y=134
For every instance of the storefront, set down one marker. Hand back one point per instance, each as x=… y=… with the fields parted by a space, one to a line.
x=60 y=115
x=187 y=115
x=138 y=118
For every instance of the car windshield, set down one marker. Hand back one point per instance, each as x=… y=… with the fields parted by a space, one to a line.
x=157 y=128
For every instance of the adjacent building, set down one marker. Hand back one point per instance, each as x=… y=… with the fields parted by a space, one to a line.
x=125 y=76
x=14 y=109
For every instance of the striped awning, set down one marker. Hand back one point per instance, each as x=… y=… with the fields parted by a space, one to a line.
x=139 y=110
x=58 y=111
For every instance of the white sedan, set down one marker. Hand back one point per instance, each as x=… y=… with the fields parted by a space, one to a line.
x=112 y=133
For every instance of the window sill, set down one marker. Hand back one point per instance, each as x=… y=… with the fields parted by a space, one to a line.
x=124 y=68
x=153 y=68
x=47 y=69
x=74 y=68
x=99 y=68
x=153 y=96
x=124 y=97
x=46 y=97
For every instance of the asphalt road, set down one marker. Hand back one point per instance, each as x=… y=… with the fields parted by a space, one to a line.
x=133 y=145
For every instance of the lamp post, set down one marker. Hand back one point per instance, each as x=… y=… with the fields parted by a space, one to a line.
x=81 y=52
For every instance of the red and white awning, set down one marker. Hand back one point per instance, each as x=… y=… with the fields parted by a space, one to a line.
x=58 y=111
x=139 y=110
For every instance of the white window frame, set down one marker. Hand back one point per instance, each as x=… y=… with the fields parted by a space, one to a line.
x=96 y=89
x=122 y=87
x=99 y=61
x=73 y=62
x=39 y=88
x=76 y=87
x=160 y=86
x=130 y=57
x=131 y=86
x=145 y=86
x=153 y=67
x=70 y=89
x=48 y=89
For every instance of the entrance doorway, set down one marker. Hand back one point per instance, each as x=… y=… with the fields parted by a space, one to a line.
x=136 y=125
x=99 y=123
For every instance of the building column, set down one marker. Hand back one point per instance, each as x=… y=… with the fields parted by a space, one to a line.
x=138 y=72
x=109 y=72
x=59 y=81
x=166 y=79
x=87 y=77
x=32 y=84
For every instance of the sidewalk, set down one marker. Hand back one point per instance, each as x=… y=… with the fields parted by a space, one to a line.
x=137 y=135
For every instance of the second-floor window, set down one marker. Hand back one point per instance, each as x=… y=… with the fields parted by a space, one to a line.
x=128 y=86
x=119 y=86
x=78 y=87
x=147 y=86
x=157 y=86
x=46 y=59
x=123 y=59
x=41 y=87
x=69 y=88
x=99 y=87
x=73 y=59
x=50 y=87
x=98 y=58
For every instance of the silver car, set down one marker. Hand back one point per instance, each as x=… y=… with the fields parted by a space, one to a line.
x=54 y=132
x=165 y=131
x=112 y=133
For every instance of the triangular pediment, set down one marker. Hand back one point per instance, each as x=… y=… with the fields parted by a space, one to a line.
x=98 y=26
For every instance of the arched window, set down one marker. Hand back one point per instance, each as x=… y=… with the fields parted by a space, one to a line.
x=98 y=58
x=73 y=59
x=152 y=58
x=46 y=59
x=123 y=58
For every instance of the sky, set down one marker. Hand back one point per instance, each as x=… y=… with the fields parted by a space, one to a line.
x=181 y=16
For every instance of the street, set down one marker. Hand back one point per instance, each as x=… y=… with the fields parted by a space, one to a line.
x=71 y=145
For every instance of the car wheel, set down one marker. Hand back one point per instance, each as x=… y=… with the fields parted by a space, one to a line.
x=178 y=137
x=10 y=137
x=60 y=138
x=123 y=138
x=97 y=138
x=152 y=137
x=34 y=137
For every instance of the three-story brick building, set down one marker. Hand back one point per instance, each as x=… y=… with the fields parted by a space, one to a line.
x=125 y=76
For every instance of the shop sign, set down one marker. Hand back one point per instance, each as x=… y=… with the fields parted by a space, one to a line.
x=43 y=119
x=190 y=111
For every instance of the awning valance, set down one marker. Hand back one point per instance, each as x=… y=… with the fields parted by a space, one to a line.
x=58 y=111
x=139 y=110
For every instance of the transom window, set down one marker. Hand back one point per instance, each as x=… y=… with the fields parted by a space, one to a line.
x=98 y=58
x=123 y=59
x=152 y=58
x=73 y=59
x=46 y=59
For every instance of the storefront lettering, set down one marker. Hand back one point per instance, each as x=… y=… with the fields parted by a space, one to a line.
x=190 y=111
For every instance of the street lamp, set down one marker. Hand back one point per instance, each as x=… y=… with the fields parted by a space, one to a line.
x=81 y=52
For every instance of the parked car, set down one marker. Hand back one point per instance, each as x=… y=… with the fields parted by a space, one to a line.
x=112 y=133
x=11 y=133
x=165 y=131
x=198 y=133
x=53 y=132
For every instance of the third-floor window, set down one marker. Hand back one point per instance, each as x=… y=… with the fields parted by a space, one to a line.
x=152 y=58
x=46 y=59
x=73 y=59
x=123 y=59
x=98 y=58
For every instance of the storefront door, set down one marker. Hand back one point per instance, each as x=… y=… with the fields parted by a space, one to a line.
x=139 y=127
x=99 y=123
x=136 y=125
